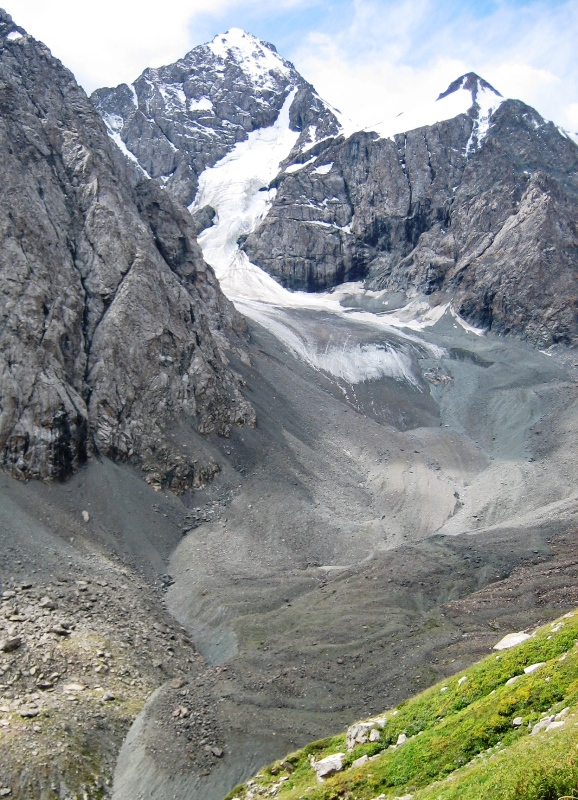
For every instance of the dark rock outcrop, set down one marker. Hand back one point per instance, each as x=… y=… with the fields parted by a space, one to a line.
x=111 y=324
x=489 y=222
x=179 y=119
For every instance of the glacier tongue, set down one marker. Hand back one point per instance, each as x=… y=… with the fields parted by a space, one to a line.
x=236 y=187
x=347 y=360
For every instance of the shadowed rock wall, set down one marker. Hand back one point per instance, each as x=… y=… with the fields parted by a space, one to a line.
x=111 y=324
x=492 y=226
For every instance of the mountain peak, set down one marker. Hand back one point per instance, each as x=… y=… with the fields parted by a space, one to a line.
x=237 y=37
x=472 y=83
x=468 y=94
x=257 y=59
x=179 y=119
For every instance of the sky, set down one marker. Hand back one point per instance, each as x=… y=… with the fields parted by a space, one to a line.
x=370 y=58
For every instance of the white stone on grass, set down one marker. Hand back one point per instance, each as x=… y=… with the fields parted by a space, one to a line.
x=327 y=766
x=533 y=667
x=556 y=724
x=543 y=724
x=359 y=733
x=511 y=640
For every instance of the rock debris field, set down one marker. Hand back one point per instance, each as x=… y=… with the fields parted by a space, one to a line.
x=317 y=581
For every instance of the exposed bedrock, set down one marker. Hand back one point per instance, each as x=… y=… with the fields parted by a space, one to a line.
x=488 y=224
x=111 y=322
x=179 y=119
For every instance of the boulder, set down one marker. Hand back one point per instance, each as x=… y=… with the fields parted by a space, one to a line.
x=511 y=640
x=327 y=766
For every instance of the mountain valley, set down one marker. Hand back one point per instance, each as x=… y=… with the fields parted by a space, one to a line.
x=258 y=486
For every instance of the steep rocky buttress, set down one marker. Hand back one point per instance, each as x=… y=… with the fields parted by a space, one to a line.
x=480 y=209
x=177 y=120
x=112 y=325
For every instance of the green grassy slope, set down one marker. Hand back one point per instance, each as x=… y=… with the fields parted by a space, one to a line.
x=461 y=738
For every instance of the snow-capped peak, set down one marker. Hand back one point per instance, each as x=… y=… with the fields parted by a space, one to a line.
x=472 y=83
x=256 y=58
x=468 y=94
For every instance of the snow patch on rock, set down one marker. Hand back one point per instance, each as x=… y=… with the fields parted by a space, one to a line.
x=172 y=94
x=324 y=169
x=254 y=57
x=114 y=125
x=203 y=104
x=296 y=167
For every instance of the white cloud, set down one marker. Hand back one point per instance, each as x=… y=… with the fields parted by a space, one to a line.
x=107 y=42
x=395 y=55
x=111 y=41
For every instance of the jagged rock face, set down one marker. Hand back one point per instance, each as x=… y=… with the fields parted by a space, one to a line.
x=177 y=120
x=359 y=198
x=509 y=255
x=111 y=322
x=485 y=216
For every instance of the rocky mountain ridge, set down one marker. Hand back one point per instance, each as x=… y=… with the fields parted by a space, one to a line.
x=112 y=325
x=177 y=120
x=478 y=209
x=471 y=200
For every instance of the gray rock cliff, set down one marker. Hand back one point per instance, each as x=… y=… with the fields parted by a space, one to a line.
x=482 y=212
x=179 y=119
x=112 y=325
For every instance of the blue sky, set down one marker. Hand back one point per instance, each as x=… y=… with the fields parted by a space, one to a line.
x=370 y=58
x=286 y=27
